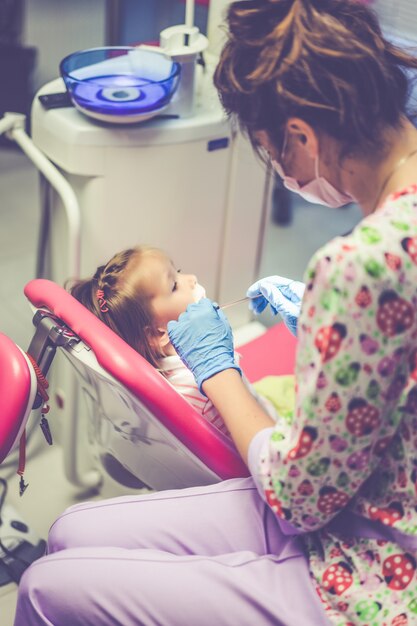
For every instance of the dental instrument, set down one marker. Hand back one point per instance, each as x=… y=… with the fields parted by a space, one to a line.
x=229 y=304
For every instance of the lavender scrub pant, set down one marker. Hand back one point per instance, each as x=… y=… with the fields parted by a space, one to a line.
x=206 y=556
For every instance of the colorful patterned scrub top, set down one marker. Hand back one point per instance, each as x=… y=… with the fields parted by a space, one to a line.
x=353 y=442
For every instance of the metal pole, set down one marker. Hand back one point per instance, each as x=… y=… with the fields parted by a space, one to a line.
x=113 y=28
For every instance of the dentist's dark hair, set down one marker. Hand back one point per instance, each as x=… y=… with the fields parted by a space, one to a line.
x=325 y=61
x=123 y=303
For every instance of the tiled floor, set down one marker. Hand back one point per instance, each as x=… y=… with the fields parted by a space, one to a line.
x=287 y=252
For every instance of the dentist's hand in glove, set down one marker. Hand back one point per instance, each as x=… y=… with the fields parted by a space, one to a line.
x=282 y=294
x=203 y=339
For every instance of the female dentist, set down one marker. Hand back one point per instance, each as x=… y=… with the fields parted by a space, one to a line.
x=325 y=530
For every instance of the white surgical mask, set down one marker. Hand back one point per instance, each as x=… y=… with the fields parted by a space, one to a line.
x=317 y=191
x=199 y=292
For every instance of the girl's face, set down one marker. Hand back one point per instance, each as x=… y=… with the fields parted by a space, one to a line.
x=171 y=290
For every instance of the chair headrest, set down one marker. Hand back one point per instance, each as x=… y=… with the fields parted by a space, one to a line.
x=16 y=393
x=143 y=380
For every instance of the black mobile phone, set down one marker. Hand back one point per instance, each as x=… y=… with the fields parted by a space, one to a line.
x=56 y=100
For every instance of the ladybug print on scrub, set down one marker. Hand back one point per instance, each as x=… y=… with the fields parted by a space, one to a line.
x=337 y=578
x=409 y=244
x=329 y=339
x=388 y=515
x=395 y=315
x=305 y=443
x=393 y=261
x=274 y=503
x=333 y=403
x=398 y=571
x=354 y=433
x=362 y=418
x=331 y=500
x=363 y=298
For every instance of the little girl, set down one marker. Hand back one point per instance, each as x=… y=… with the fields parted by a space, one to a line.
x=136 y=294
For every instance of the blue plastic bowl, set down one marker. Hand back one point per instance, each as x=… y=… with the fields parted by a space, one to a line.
x=120 y=84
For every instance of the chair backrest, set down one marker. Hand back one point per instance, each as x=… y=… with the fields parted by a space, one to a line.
x=120 y=370
x=18 y=386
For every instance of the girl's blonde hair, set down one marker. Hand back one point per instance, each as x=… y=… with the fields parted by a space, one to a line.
x=117 y=297
x=325 y=61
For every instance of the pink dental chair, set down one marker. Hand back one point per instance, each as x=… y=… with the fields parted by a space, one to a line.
x=18 y=388
x=145 y=433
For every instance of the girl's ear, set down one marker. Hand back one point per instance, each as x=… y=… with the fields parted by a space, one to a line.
x=163 y=338
x=158 y=338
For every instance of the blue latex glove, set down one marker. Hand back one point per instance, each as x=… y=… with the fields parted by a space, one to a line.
x=282 y=294
x=203 y=339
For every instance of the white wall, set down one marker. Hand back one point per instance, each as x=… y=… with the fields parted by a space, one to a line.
x=58 y=27
x=399 y=16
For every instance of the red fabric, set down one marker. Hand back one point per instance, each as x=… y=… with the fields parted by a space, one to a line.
x=15 y=385
x=271 y=354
